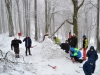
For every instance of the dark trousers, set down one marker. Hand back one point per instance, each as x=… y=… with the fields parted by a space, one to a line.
x=65 y=47
x=77 y=59
x=28 y=49
x=88 y=74
x=16 y=50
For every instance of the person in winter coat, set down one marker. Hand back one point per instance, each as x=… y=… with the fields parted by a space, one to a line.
x=28 y=43
x=92 y=53
x=75 y=55
x=69 y=38
x=73 y=41
x=57 y=40
x=89 y=66
x=15 y=43
x=85 y=46
x=65 y=46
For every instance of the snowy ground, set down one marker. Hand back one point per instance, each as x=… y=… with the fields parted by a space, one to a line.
x=42 y=54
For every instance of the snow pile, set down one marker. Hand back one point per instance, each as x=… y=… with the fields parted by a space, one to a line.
x=51 y=50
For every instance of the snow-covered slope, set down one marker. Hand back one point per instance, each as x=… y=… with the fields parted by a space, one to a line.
x=42 y=54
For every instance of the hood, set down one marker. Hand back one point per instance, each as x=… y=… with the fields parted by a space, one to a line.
x=72 y=49
x=92 y=47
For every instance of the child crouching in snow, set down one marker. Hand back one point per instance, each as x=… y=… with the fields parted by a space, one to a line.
x=75 y=54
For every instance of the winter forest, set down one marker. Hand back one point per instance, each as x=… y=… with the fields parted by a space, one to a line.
x=36 y=18
x=56 y=17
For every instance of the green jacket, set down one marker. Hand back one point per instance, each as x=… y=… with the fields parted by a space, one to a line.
x=57 y=40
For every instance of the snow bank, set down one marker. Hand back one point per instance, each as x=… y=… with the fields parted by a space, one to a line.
x=51 y=50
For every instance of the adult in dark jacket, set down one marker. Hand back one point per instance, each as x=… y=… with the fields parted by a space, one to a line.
x=65 y=46
x=15 y=44
x=89 y=66
x=69 y=38
x=92 y=53
x=28 y=43
x=73 y=41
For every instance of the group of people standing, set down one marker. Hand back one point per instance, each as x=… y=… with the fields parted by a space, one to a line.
x=15 y=44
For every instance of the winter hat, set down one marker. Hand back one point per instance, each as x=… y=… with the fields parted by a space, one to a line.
x=84 y=36
x=92 y=47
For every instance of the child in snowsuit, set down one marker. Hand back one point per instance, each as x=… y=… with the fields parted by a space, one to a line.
x=89 y=66
x=57 y=40
x=92 y=53
x=75 y=54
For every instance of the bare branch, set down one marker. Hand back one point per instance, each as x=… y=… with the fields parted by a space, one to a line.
x=58 y=28
x=81 y=4
x=93 y=4
x=69 y=22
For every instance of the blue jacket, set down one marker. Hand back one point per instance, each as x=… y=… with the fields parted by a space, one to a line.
x=89 y=66
x=75 y=52
x=28 y=42
x=92 y=54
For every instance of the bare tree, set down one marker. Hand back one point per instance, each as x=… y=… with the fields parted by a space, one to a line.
x=46 y=21
x=0 y=19
x=10 y=22
x=19 y=16
x=27 y=17
x=75 y=14
x=97 y=32
x=35 y=16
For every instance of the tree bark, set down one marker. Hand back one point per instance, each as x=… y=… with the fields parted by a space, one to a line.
x=35 y=16
x=10 y=22
x=19 y=16
x=46 y=21
x=75 y=14
x=97 y=32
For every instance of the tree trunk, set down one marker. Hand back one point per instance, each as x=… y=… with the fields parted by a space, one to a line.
x=97 y=32
x=27 y=17
x=0 y=18
x=35 y=16
x=75 y=14
x=19 y=16
x=10 y=22
x=46 y=21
